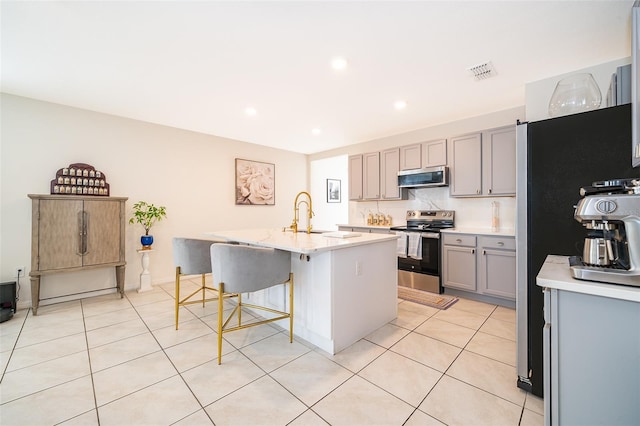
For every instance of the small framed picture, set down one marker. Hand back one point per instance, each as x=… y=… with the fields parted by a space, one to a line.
x=333 y=191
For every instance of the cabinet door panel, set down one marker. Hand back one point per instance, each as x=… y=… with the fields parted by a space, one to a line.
x=410 y=157
x=103 y=232
x=459 y=268
x=355 y=177
x=371 y=181
x=466 y=171
x=60 y=226
x=499 y=161
x=389 y=168
x=498 y=273
x=434 y=153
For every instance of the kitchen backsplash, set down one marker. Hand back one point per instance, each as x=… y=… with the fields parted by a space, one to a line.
x=470 y=212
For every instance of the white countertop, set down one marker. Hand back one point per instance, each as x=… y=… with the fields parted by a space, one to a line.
x=300 y=242
x=555 y=273
x=481 y=231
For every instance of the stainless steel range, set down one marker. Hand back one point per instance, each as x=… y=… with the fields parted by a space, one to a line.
x=419 y=248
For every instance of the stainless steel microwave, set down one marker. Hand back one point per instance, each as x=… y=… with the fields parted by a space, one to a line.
x=423 y=178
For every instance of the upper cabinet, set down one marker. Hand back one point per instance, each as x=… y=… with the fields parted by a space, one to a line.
x=371 y=176
x=465 y=154
x=410 y=157
x=483 y=164
x=374 y=176
x=355 y=177
x=426 y=154
x=499 y=161
x=434 y=153
x=389 y=168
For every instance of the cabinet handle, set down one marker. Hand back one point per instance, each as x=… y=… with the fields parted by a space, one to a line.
x=484 y=252
x=458 y=240
x=500 y=243
x=80 y=234
x=477 y=191
x=85 y=248
x=489 y=190
x=473 y=251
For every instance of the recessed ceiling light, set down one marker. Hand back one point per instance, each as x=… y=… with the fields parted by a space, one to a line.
x=316 y=131
x=400 y=104
x=338 y=63
x=250 y=111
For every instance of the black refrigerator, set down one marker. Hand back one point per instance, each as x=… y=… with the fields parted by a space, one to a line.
x=556 y=157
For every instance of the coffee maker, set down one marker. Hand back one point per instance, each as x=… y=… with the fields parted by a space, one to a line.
x=610 y=211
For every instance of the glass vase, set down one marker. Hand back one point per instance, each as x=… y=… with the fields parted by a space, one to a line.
x=576 y=93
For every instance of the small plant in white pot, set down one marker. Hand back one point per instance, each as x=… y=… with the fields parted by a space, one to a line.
x=147 y=215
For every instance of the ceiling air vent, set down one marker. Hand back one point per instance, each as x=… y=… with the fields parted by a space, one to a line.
x=483 y=71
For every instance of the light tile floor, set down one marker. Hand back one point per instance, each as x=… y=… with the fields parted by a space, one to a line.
x=111 y=361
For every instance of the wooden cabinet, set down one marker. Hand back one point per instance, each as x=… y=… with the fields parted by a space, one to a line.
x=410 y=157
x=459 y=262
x=465 y=156
x=480 y=264
x=483 y=164
x=355 y=177
x=497 y=266
x=434 y=153
x=72 y=233
x=499 y=161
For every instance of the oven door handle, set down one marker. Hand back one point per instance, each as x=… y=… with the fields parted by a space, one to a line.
x=433 y=235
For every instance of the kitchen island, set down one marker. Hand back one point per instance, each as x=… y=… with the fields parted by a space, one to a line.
x=344 y=288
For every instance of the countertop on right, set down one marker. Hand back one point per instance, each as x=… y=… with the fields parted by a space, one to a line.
x=481 y=231
x=555 y=273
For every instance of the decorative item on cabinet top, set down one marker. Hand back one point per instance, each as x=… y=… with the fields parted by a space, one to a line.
x=80 y=179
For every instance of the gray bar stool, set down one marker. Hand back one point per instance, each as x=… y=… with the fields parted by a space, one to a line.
x=192 y=257
x=244 y=269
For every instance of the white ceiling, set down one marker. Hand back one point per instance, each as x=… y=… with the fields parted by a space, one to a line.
x=199 y=65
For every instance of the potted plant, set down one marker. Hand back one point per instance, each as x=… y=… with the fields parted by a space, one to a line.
x=146 y=215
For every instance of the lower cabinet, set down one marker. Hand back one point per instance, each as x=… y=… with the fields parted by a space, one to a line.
x=459 y=262
x=479 y=263
x=591 y=359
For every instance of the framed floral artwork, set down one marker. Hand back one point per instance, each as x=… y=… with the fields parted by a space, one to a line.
x=333 y=190
x=255 y=183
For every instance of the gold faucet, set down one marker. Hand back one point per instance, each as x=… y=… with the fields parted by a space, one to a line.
x=296 y=212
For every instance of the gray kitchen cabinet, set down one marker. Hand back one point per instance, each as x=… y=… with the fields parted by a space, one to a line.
x=389 y=168
x=459 y=262
x=74 y=233
x=497 y=266
x=374 y=176
x=483 y=164
x=355 y=177
x=371 y=176
x=465 y=157
x=480 y=264
x=499 y=161
x=410 y=157
x=434 y=153
x=591 y=348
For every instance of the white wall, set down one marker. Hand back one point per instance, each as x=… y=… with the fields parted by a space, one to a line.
x=191 y=174
x=538 y=93
x=328 y=215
